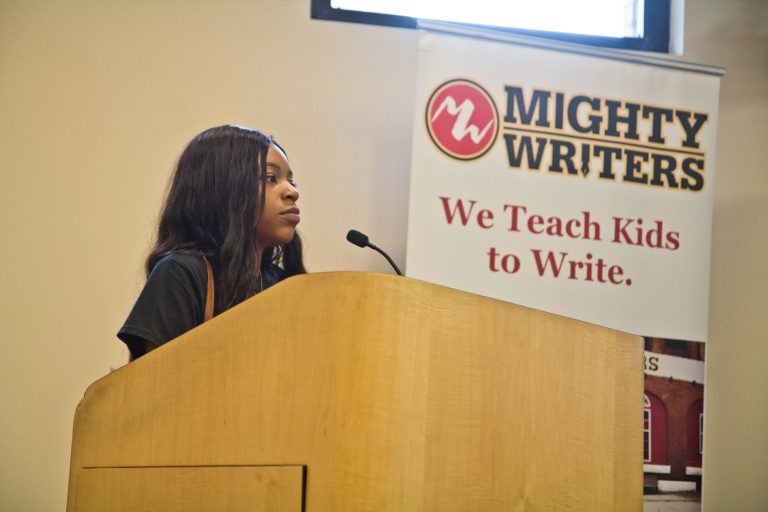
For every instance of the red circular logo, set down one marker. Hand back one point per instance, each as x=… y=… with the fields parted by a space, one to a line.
x=462 y=119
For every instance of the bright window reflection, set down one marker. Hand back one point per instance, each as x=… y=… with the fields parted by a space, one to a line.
x=609 y=18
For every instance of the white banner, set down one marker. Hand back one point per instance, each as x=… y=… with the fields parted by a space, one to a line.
x=673 y=367
x=571 y=183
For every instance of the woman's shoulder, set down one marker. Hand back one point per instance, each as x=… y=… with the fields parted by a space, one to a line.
x=190 y=263
x=171 y=302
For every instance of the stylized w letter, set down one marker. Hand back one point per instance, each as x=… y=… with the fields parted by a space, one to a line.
x=463 y=113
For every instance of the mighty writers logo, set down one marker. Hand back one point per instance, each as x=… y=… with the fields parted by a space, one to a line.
x=462 y=119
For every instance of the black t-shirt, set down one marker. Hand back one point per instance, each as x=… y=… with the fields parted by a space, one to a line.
x=172 y=301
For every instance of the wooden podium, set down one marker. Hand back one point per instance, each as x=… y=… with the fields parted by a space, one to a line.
x=368 y=392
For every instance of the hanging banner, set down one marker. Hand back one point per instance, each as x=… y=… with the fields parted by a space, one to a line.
x=572 y=181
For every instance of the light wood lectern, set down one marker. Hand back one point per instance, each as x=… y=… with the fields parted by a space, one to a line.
x=368 y=392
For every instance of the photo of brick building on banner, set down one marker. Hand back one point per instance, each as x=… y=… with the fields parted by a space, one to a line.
x=673 y=415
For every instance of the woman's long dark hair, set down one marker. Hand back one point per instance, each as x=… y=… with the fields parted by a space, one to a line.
x=214 y=196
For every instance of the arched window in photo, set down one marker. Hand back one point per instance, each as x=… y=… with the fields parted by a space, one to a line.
x=694 y=433
x=655 y=451
x=646 y=429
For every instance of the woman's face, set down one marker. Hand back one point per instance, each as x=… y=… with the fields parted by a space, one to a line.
x=281 y=215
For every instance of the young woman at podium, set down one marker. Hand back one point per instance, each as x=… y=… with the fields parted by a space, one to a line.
x=227 y=231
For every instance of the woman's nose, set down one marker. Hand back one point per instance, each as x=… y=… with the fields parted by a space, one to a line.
x=291 y=192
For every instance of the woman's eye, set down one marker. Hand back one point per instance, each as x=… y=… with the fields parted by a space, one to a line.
x=293 y=183
x=271 y=178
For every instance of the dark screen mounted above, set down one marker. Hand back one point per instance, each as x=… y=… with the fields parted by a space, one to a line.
x=656 y=26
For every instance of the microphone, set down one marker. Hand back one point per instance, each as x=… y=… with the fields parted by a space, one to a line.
x=361 y=240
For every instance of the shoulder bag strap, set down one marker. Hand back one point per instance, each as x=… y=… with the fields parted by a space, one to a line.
x=209 y=294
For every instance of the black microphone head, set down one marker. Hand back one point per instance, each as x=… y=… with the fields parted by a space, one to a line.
x=357 y=238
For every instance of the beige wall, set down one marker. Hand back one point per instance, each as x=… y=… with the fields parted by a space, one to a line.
x=97 y=98
x=735 y=35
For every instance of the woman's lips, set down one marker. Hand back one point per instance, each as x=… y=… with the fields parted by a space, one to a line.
x=292 y=215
